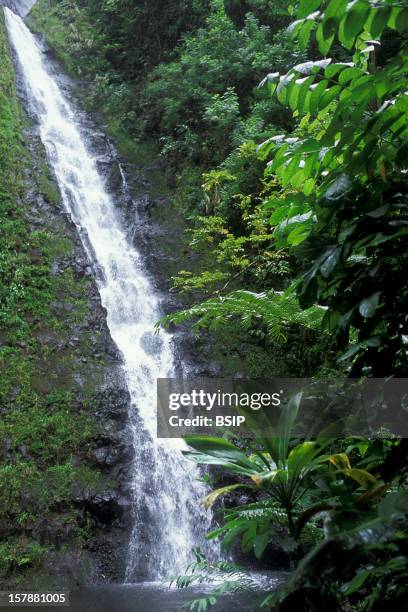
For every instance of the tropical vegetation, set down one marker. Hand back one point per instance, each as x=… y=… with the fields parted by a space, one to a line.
x=281 y=134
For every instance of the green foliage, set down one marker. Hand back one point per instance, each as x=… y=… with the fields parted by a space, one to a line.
x=189 y=81
x=20 y=555
x=186 y=281
x=361 y=562
x=213 y=181
x=259 y=314
x=232 y=579
x=121 y=22
x=282 y=471
x=336 y=200
x=217 y=68
x=28 y=491
x=342 y=206
x=48 y=432
x=200 y=105
x=9 y=116
x=331 y=209
x=296 y=485
x=45 y=434
x=259 y=525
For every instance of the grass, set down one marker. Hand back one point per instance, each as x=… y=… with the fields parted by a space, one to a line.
x=46 y=185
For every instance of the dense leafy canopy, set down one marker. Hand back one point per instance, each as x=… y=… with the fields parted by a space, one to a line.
x=337 y=201
x=337 y=198
x=343 y=202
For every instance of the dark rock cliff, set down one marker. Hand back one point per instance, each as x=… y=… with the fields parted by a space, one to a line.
x=85 y=361
x=21 y=7
x=65 y=445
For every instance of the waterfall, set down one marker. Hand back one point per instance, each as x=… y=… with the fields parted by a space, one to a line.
x=21 y=7
x=168 y=517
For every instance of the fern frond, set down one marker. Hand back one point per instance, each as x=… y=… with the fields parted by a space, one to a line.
x=274 y=309
x=264 y=510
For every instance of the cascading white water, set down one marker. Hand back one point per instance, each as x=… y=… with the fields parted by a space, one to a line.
x=168 y=520
x=20 y=7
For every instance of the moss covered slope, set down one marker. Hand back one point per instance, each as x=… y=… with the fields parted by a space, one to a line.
x=59 y=373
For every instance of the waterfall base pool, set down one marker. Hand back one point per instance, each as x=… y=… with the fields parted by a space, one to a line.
x=156 y=597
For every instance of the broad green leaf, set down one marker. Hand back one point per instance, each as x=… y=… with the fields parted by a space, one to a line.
x=357 y=582
x=349 y=73
x=341 y=461
x=401 y=21
x=308 y=186
x=306 y=7
x=346 y=42
x=329 y=26
x=328 y=96
x=363 y=90
x=331 y=320
x=316 y=95
x=368 y=306
x=287 y=170
x=330 y=261
x=364 y=478
x=302 y=457
x=324 y=42
x=379 y=21
x=265 y=477
x=303 y=100
x=356 y=18
x=204 y=459
x=304 y=33
x=294 y=27
x=282 y=89
x=278 y=445
x=298 y=235
x=210 y=499
x=334 y=69
x=335 y=8
x=260 y=543
x=398 y=19
x=308 y=146
x=278 y=215
x=248 y=538
x=219 y=450
x=293 y=95
x=298 y=179
x=312 y=164
x=230 y=537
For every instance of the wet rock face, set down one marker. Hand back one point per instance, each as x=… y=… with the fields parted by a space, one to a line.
x=156 y=234
x=105 y=507
x=21 y=7
x=94 y=367
x=84 y=360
